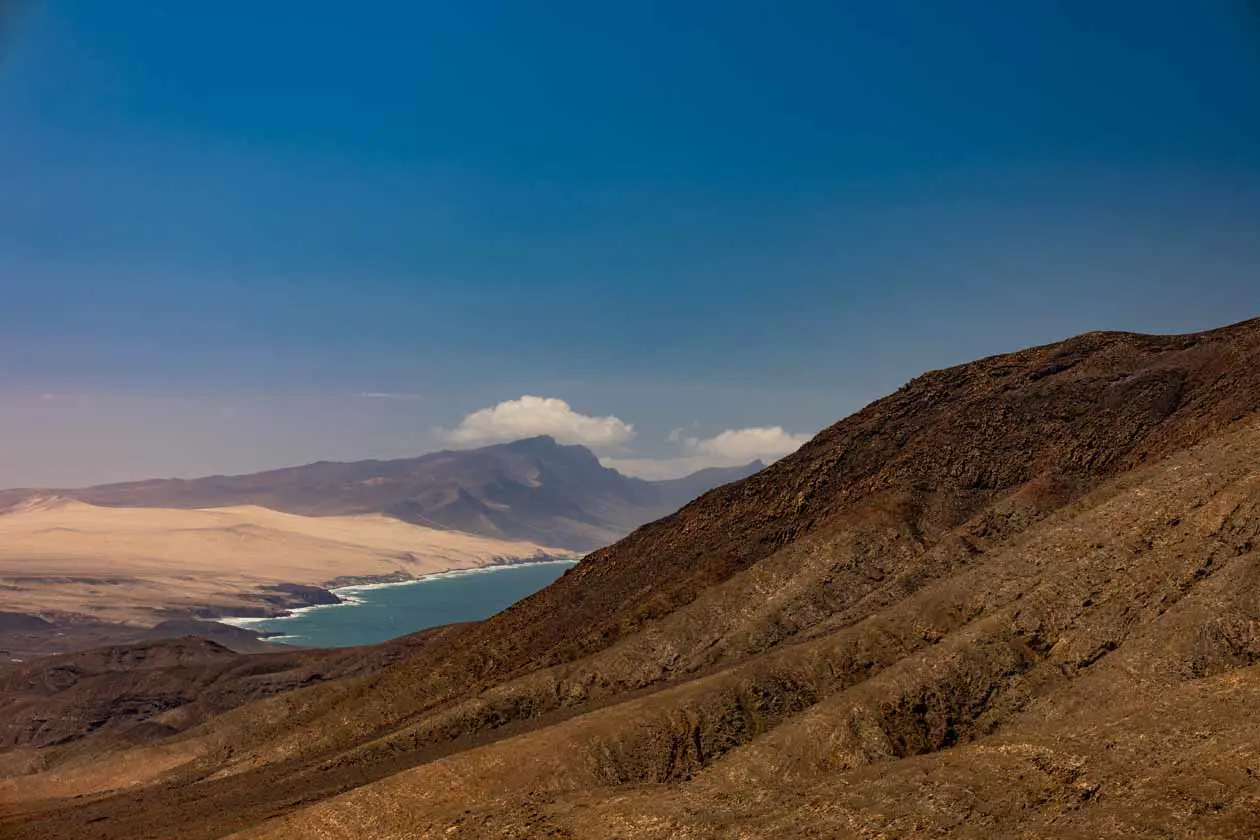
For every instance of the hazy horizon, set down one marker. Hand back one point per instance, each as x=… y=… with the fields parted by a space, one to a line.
x=730 y=452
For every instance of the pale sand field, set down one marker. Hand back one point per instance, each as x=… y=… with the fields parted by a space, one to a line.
x=141 y=559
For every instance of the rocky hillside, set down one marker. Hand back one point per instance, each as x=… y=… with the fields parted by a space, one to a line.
x=1019 y=597
x=534 y=490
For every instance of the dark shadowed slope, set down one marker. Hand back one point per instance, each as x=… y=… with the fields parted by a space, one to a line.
x=533 y=489
x=1015 y=598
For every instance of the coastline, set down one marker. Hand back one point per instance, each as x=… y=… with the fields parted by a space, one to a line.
x=346 y=593
x=73 y=562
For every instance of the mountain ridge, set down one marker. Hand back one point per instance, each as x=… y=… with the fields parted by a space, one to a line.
x=532 y=489
x=1016 y=597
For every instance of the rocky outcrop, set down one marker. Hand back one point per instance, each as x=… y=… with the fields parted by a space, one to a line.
x=1015 y=598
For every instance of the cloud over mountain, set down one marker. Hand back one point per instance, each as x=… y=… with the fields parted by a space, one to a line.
x=766 y=442
x=530 y=416
x=729 y=448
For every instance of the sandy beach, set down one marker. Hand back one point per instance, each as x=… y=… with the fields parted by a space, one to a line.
x=136 y=565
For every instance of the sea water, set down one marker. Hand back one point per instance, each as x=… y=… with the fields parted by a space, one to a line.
x=372 y=613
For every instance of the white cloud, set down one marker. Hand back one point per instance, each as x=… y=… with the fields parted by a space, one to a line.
x=742 y=445
x=387 y=395
x=61 y=395
x=731 y=448
x=530 y=416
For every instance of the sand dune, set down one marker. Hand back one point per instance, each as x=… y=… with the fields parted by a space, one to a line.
x=58 y=554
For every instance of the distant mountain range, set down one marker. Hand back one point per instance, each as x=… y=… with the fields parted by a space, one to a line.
x=533 y=489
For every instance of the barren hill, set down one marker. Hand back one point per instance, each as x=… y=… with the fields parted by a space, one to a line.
x=139 y=565
x=1019 y=597
x=534 y=490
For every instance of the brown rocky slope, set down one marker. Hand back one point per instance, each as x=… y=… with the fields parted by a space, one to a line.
x=1015 y=598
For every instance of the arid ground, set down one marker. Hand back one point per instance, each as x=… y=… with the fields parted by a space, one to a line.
x=137 y=565
x=1017 y=598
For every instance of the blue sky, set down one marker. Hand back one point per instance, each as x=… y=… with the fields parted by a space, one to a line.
x=221 y=224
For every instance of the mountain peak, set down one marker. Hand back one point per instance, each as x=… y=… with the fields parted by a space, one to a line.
x=537 y=443
x=1025 y=550
x=536 y=489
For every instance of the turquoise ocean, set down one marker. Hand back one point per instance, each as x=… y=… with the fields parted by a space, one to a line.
x=376 y=612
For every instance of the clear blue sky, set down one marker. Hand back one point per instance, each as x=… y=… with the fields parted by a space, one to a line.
x=221 y=223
